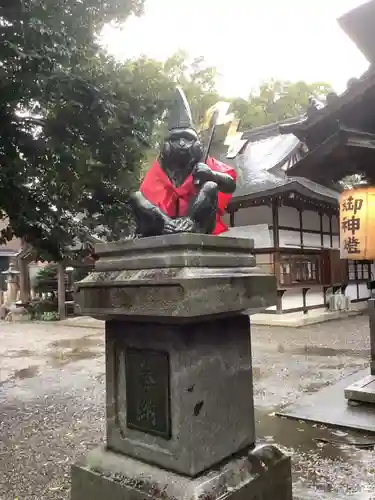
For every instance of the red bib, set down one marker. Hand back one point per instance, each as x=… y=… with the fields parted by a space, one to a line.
x=160 y=191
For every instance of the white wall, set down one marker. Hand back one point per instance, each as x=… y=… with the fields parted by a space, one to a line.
x=291 y=239
x=335 y=224
x=255 y=223
x=288 y=216
x=325 y=220
x=293 y=299
x=260 y=233
x=327 y=241
x=351 y=291
x=258 y=217
x=363 y=291
x=312 y=240
x=315 y=296
x=253 y=215
x=310 y=220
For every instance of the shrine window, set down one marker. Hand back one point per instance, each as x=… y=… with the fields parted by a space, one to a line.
x=359 y=270
x=299 y=269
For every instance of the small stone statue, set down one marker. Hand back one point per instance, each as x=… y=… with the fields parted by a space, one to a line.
x=181 y=193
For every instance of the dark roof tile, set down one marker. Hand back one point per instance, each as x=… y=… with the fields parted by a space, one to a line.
x=260 y=173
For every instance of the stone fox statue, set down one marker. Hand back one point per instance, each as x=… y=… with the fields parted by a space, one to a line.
x=179 y=193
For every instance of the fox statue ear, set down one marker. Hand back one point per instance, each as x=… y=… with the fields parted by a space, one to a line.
x=180 y=117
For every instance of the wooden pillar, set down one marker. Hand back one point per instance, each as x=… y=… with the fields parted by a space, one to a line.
x=276 y=254
x=321 y=230
x=275 y=224
x=356 y=276
x=304 y=293
x=300 y=227
x=61 y=289
x=330 y=231
x=24 y=278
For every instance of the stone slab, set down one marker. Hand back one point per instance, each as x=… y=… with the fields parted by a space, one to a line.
x=263 y=473
x=329 y=406
x=180 y=397
x=182 y=276
x=299 y=319
x=175 y=250
x=181 y=241
x=167 y=258
x=123 y=294
x=362 y=391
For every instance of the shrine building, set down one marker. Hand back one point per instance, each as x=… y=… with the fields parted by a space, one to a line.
x=287 y=198
x=294 y=222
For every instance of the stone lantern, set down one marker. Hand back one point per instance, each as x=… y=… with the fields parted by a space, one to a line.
x=12 y=283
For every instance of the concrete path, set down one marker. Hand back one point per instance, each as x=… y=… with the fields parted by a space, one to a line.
x=52 y=405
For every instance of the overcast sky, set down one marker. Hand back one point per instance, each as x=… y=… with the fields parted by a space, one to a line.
x=247 y=40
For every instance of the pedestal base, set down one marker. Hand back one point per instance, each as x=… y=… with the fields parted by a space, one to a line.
x=180 y=396
x=362 y=391
x=263 y=473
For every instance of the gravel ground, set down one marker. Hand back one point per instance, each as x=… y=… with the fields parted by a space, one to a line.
x=52 y=405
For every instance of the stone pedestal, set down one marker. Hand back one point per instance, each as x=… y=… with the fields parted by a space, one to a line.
x=364 y=390
x=180 y=416
x=263 y=473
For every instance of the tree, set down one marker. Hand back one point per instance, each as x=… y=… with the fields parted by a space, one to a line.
x=196 y=78
x=353 y=181
x=198 y=81
x=277 y=100
x=46 y=279
x=74 y=124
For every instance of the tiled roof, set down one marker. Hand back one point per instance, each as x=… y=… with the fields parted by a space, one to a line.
x=260 y=169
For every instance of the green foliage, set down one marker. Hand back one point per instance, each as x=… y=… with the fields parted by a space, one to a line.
x=46 y=279
x=353 y=181
x=37 y=308
x=74 y=124
x=273 y=101
x=277 y=100
x=196 y=78
x=198 y=81
x=78 y=128
x=50 y=316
